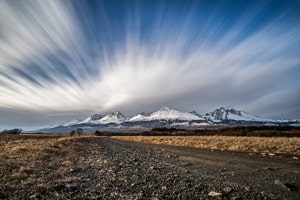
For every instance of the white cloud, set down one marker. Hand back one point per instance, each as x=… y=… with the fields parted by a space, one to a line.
x=164 y=69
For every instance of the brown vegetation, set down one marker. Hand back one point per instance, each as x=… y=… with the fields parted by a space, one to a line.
x=39 y=164
x=247 y=144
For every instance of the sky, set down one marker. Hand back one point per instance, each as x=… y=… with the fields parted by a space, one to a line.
x=61 y=60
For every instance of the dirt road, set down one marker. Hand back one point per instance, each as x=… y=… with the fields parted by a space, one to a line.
x=105 y=168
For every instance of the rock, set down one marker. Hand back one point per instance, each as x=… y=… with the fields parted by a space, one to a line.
x=270 y=168
x=72 y=170
x=236 y=198
x=266 y=168
x=227 y=189
x=186 y=164
x=295 y=158
x=34 y=196
x=281 y=184
x=222 y=170
x=71 y=187
x=271 y=154
x=151 y=168
x=214 y=194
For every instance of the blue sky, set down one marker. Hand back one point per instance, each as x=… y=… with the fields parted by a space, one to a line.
x=61 y=60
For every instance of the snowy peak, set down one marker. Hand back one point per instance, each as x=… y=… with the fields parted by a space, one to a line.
x=166 y=116
x=93 y=119
x=166 y=113
x=139 y=117
x=195 y=113
x=115 y=117
x=96 y=117
x=164 y=109
x=171 y=114
x=73 y=122
x=118 y=114
x=222 y=114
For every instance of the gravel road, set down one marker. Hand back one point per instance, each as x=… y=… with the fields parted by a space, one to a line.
x=105 y=168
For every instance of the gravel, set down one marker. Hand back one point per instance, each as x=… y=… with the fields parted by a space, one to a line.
x=103 y=168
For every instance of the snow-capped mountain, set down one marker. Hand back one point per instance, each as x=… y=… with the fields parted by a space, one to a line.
x=93 y=119
x=139 y=117
x=166 y=117
x=75 y=121
x=225 y=115
x=166 y=113
x=115 y=117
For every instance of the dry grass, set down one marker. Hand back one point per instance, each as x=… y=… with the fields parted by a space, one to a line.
x=231 y=143
x=39 y=164
x=11 y=146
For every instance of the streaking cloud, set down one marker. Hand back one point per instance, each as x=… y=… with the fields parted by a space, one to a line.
x=64 y=56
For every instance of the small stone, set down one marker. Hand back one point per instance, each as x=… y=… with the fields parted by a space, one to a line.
x=34 y=196
x=186 y=164
x=164 y=187
x=266 y=168
x=227 y=189
x=270 y=168
x=281 y=184
x=295 y=158
x=151 y=168
x=271 y=154
x=214 y=194
x=236 y=198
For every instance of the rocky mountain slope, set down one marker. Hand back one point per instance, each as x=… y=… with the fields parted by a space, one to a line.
x=222 y=114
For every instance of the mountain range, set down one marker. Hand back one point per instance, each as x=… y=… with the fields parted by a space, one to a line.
x=166 y=117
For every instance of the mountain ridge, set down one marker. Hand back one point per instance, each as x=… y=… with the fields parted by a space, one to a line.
x=166 y=117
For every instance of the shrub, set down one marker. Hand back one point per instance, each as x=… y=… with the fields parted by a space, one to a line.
x=15 y=131
x=72 y=133
x=79 y=131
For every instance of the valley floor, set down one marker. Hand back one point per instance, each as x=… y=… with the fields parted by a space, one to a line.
x=89 y=167
x=269 y=145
